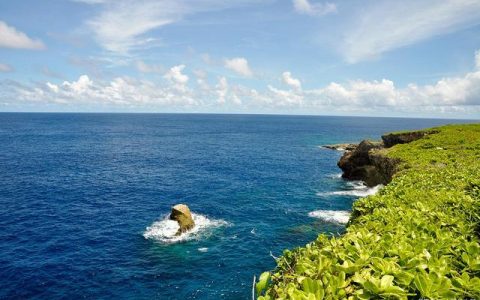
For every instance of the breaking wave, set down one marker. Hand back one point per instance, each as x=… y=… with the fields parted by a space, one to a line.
x=164 y=230
x=356 y=189
x=333 y=216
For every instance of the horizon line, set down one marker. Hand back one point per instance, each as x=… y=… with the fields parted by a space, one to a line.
x=236 y=114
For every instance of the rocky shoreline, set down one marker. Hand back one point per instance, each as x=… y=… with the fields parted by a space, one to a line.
x=367 y=161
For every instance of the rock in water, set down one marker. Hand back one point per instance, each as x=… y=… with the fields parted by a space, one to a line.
x=181 y=214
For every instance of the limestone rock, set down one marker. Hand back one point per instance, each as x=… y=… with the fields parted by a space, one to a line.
x=181 y=214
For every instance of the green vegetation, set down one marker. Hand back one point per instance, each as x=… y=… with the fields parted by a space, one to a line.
x=417 y=238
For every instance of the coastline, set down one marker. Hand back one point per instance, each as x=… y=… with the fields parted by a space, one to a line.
x=418 y=237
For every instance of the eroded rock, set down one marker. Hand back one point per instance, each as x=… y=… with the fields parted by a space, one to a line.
x=366 y=163
x=181 y=213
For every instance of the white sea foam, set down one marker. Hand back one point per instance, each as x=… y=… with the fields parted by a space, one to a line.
x=204 y=249
x=334 y=216
x=357 y=189
x=165 y=230
x=335 y=176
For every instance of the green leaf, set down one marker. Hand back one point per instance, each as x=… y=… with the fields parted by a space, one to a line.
x=262 y=282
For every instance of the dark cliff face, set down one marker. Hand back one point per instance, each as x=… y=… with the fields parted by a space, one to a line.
x=367 y=162
x=358 y=164
x=392 y=139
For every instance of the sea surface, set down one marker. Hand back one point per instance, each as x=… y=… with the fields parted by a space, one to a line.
x=84 y=199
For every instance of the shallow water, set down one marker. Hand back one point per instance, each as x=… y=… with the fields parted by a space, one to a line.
x=84 y=199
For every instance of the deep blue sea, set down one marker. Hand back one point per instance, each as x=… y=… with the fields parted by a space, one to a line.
x=84 y=198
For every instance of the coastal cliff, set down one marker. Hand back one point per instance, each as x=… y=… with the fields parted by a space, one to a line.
x=368 y=161
x=417 y=238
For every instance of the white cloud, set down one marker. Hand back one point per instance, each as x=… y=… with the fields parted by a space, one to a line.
x=4 y=68
x=450 y=95
x=313 y=9
x=285 y=98
x=123 y=25
x=222 y=90
x=290 y=81
x=389 y=25
x=176 y=76
x=120 y=26
x=121 y=91
x=239 y=65
x=12 y=38
x=53 y=87
x=82 y=85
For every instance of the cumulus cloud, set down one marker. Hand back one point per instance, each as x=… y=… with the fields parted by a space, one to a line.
x=290 y=81
x=460 y=94
x=80 y=86
x=389 y=25
x=313 y=9
x=10 y=37
x=239 y=65
x=176 y=76
x=120 y=91
x=4 y=68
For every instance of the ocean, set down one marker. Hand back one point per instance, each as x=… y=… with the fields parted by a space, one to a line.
x=84 y=199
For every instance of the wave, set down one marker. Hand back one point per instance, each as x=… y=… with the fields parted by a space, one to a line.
x=164 y=230
x=335 y=176
x=357 y=189
x=333 y=216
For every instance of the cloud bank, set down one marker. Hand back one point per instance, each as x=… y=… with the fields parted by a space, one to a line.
x=449 y=95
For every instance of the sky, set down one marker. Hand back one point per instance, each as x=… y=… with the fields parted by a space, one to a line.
x=405 y=58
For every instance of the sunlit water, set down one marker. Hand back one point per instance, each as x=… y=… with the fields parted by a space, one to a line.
x=85 y=199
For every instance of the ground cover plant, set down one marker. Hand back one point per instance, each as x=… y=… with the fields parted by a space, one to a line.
x=417 y=238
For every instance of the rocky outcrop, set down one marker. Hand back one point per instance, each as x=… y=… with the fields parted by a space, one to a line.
x=359 y=165
x=181 y=214
x=341 y=147
x=368 y=162
x=392 y=139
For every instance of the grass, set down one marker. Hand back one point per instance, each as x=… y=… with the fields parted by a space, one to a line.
x=417 y=238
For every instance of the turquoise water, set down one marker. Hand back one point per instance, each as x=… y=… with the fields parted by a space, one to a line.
x=79 y=191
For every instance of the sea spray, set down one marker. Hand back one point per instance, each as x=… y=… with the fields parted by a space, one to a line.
x=165 y=230
x=333 y=216
x=357 y=189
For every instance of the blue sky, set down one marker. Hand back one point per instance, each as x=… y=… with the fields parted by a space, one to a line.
x=369 y=58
